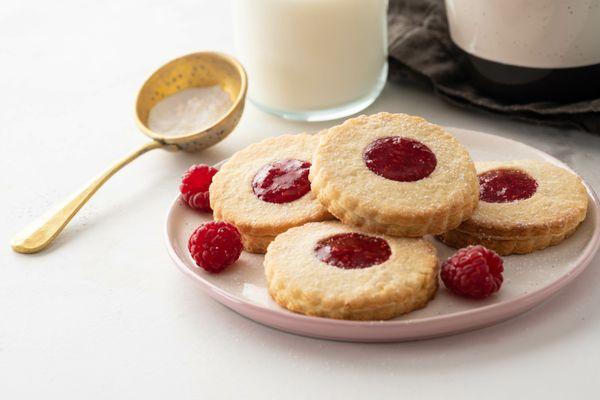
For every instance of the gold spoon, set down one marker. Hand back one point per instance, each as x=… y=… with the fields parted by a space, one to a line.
x=192 y=70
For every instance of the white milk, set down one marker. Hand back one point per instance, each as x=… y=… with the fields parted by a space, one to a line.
x=306 y=55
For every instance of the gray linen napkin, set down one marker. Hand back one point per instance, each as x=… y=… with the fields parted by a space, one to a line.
x=420 y=49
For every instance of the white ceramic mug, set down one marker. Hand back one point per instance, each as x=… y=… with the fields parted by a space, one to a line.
x=528 y=33
x=530 y=50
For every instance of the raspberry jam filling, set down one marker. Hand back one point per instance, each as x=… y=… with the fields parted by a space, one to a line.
x=505 y=185
x=282 y=181
x=400 y=159
x=352 y=250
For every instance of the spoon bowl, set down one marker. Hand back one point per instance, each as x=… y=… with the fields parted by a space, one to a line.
x=193 y=70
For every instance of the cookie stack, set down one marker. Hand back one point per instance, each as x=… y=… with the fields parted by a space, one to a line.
x=389 y=180
x=525 y=206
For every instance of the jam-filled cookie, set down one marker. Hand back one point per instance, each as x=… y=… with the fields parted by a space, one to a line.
x=394 y=174
x=524 y=206
x=328 y=269
x=264 y=189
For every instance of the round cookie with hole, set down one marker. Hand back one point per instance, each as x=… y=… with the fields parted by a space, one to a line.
x=525 y=205
x=394 y=174
x=328 y=269
x=264 y=189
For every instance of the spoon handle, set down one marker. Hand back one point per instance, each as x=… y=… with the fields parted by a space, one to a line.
x=42 y=231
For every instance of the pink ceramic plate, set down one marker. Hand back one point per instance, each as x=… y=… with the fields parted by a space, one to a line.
x=529 y=279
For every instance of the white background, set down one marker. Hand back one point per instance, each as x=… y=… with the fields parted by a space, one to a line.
x=103 y=313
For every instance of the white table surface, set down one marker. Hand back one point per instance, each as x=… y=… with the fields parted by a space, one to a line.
x=103 y=314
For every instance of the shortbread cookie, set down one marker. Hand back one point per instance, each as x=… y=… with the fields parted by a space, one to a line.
x=524 y=206
x=328 y=269
x=394 y=174
x=264 y=189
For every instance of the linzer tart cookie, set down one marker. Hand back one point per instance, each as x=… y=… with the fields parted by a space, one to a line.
x=394 y=174
x=328 y=269
x=264 y=189
x=524 y=206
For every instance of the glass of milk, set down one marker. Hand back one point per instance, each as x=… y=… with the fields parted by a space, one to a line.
x=312 y=60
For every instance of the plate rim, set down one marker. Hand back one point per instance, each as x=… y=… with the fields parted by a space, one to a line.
x=529 y=300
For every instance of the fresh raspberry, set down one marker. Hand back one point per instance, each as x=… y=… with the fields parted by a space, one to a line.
x=194 y=186
x=215 y=246
x=474 y=271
